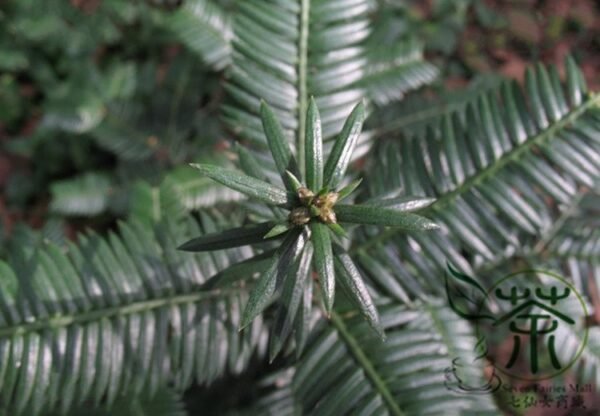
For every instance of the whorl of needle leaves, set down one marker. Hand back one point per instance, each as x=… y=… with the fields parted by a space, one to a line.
x=310 y=243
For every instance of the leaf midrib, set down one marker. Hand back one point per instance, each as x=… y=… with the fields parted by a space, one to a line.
x=60 y=321
x=363 y=360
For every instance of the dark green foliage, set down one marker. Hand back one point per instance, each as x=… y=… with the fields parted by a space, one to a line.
x=132 y=303
x=205 y=28
x=311 y=210
x=340 y=156
x=124 y=106
x=394 y=217
x=254 y=188
x=348 y=371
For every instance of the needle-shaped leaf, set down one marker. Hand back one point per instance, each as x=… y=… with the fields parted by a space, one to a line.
x=314 y=147
x=290 y=300
x=324 y=262
x=249 y=164
x=340 y=155
x=254 y=188
x=402 y=203
x=337 y=230
x=353 y=285
x=348 y=189
x=366 y=214
x=240 y=271
x=235 y=237
x=281 y=263
x=280 y=149
x=293 y=181
x=277 y=229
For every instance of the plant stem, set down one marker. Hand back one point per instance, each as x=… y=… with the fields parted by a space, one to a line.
x=60 y=321
x=366 y=364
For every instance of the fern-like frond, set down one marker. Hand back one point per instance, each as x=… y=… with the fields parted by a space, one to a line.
x=117 y=315
x=392 y=71
x=205 y=28
x=579 y=235
x=415 y=112
x=348 y=371
x=494 y=167
x=286 y=51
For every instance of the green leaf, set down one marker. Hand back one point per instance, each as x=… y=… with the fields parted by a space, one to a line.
x=353 y=285
x=499 y=168
x=249 y=164
x=282 y=261
x=293 y=180
x=403 y=203
x=324 y=262
x=394 y=70
x=348 y=370
x=235 y=237
x=278 y=229
x=340 y=155
x=314 y=148
x=278 y=144
x=348 y=189
x=254 y=188
x=290 y=301
x=338 y=230
x=240 y=271
x=365 y=214
x=203 y=27
x=127 y=303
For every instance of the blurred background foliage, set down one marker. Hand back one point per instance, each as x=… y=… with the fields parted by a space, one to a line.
x=108 y=96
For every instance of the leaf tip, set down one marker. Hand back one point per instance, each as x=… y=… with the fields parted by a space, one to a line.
x=247 y=319
x=361 y=108
x=264 y=107
x=199 y=166
x=185 y=246
x=378 y=328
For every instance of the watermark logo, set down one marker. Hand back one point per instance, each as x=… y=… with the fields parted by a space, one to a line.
x=531 y=309
x=533 y=322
